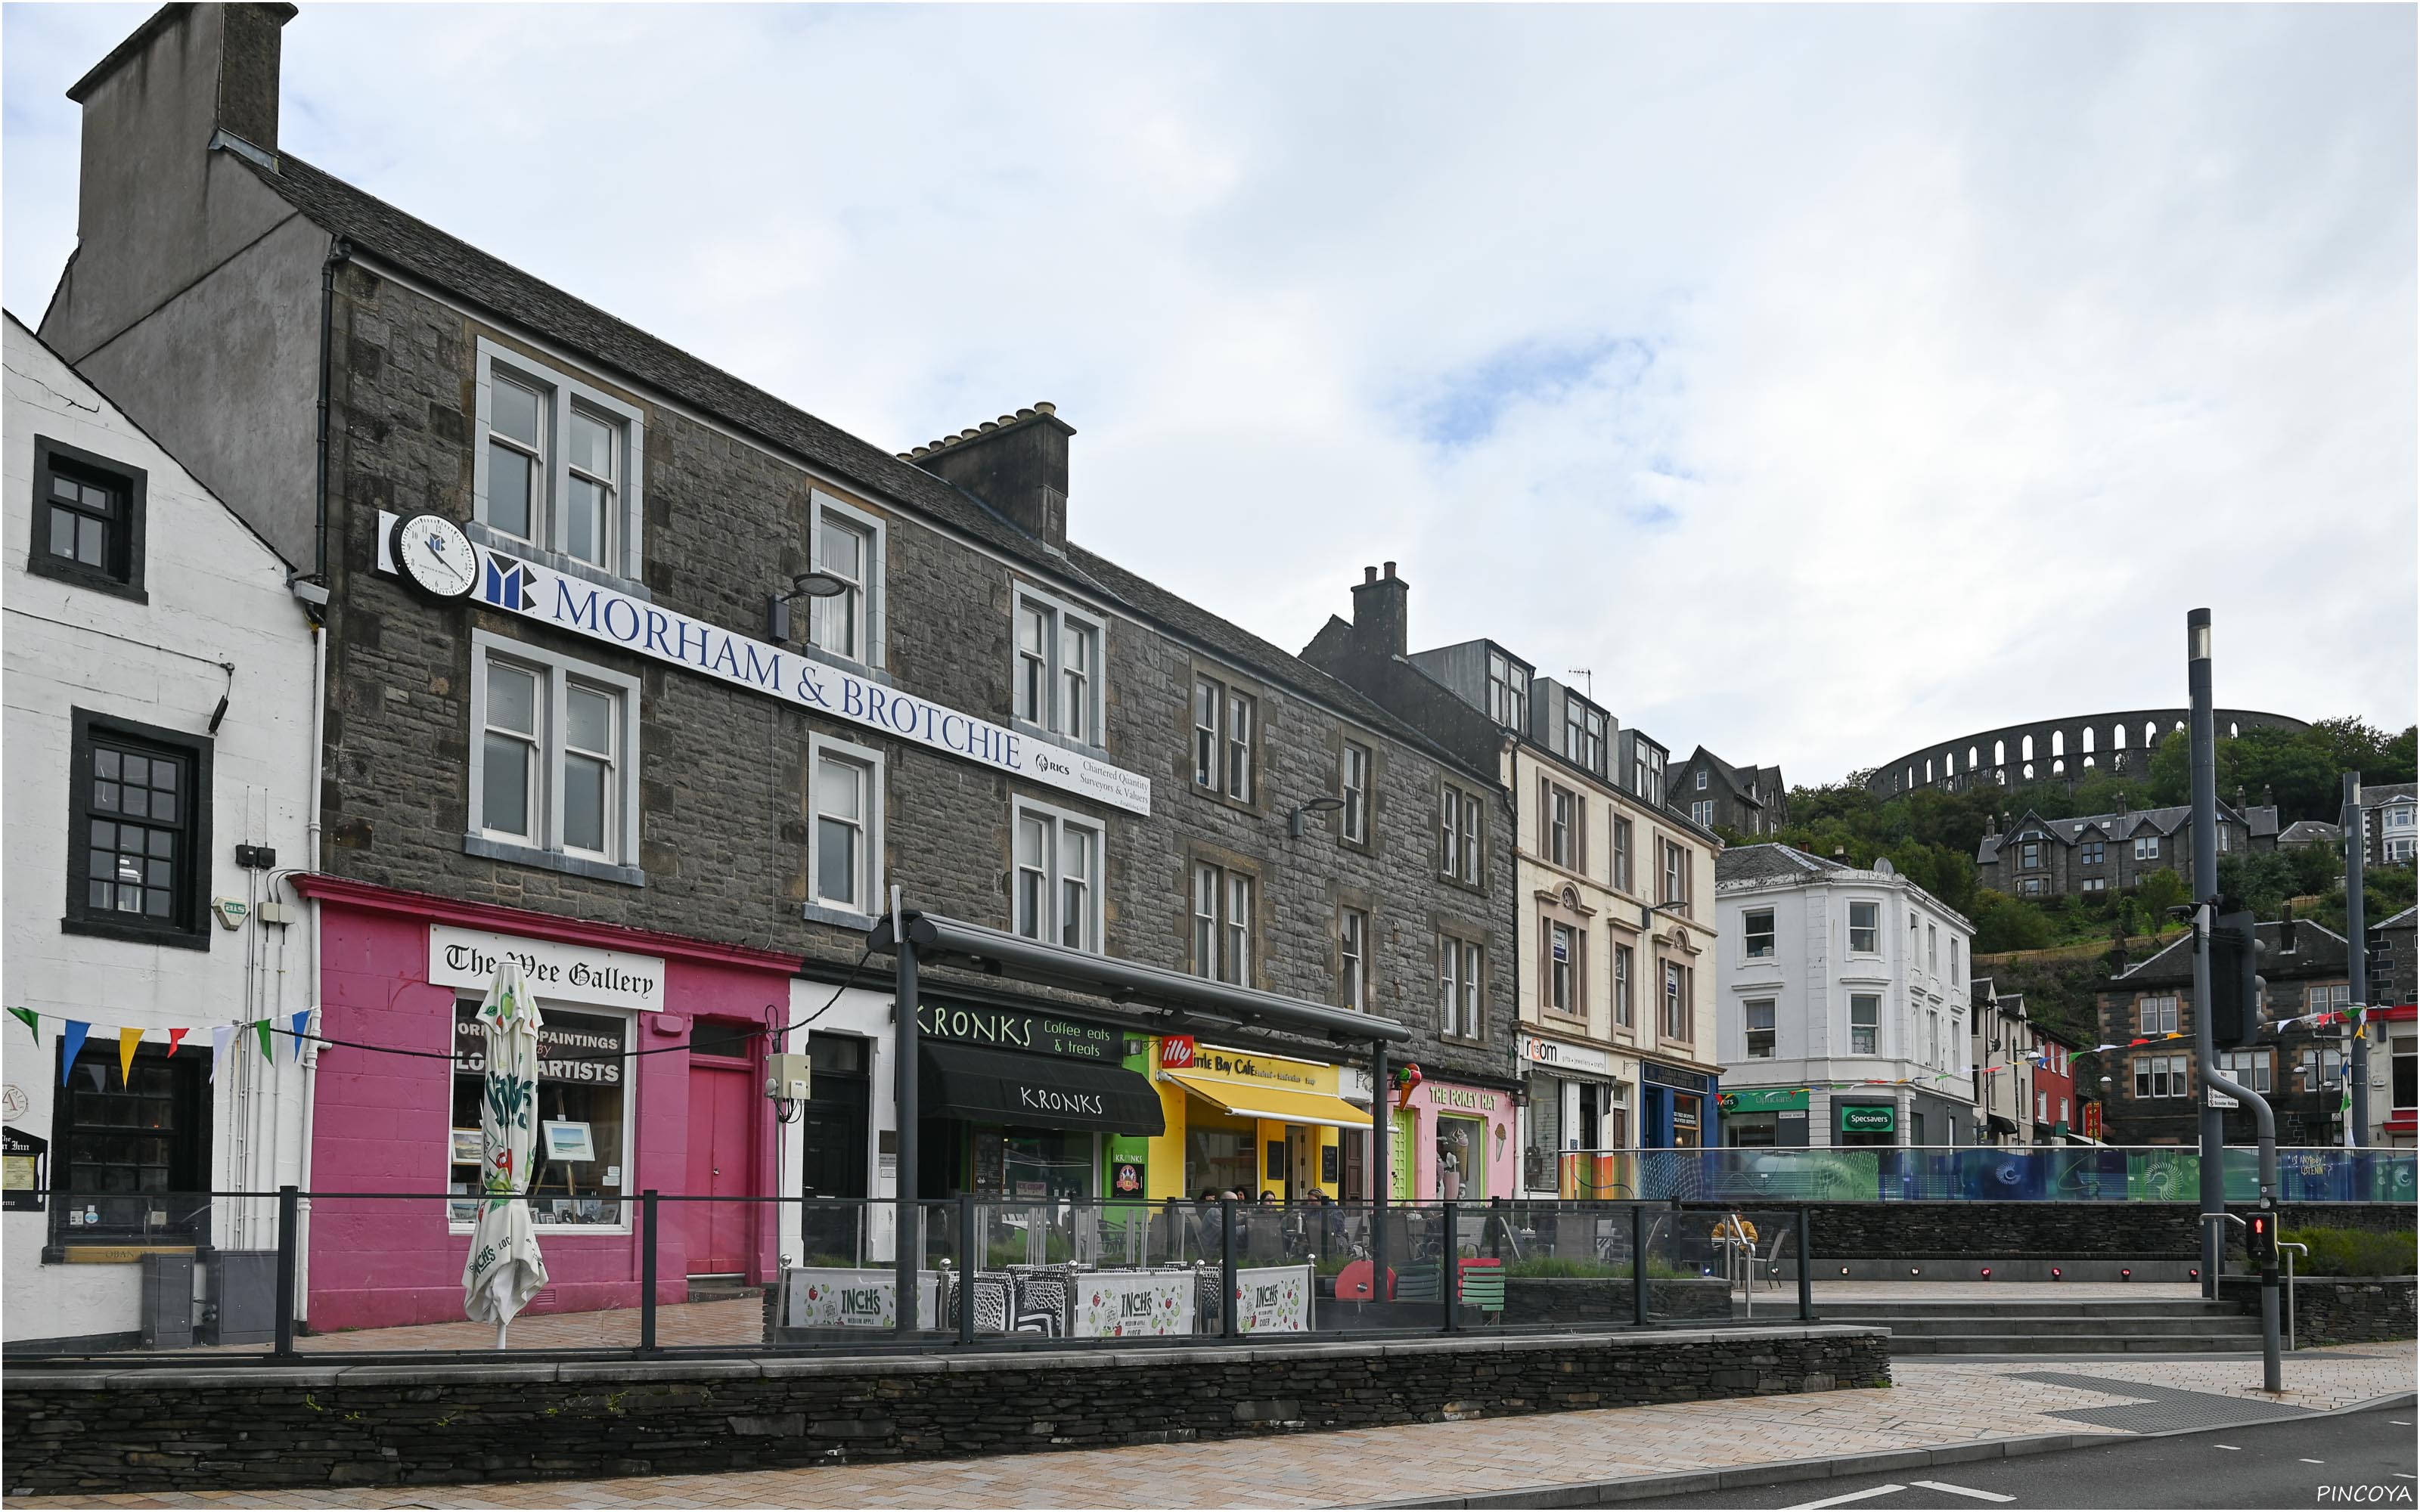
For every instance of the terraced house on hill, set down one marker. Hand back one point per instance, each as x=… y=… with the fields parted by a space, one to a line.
x=2037 y=858
x=648 y=678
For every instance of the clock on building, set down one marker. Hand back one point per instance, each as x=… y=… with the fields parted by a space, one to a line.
x=434 y=556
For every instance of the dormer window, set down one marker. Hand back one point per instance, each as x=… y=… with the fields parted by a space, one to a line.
x=1507 y=691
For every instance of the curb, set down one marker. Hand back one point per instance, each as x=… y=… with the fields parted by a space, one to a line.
x=1690 y=1482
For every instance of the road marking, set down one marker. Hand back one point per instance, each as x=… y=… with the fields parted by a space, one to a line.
x=1845 y=1496
x=1964 y=1490
x=2315 y=1461
x=2237 y=1448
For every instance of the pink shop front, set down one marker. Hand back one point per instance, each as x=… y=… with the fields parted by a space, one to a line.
x=650 y=1076
x=1457 y=1142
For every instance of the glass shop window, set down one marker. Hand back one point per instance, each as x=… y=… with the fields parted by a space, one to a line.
x=581 y=1163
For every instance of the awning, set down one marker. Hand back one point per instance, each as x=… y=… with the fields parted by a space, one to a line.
x=2002 y=1126
x=983 y=1086
x=1249 y=1100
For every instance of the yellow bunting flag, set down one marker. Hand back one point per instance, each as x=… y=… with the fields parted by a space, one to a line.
x=127 y=1041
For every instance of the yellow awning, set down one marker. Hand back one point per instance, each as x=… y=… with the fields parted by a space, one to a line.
x=1251 y=1100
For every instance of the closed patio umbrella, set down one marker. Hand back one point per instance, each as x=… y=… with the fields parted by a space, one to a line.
x=505 y=1269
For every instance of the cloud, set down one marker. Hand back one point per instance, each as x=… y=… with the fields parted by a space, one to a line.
x=1828 y=380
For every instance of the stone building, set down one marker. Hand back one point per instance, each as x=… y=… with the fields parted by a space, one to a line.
x=1744 y=800
x=2031 y=856
x=2395 y=1053
x=1842 y=1005
x=645 y=676
x=160 y=777
x=1615 y=928
x=2153 y=1087
x=2388 y=825
x=2064 y=750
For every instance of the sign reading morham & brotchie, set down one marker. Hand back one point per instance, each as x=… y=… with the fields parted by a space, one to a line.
x=608 y=614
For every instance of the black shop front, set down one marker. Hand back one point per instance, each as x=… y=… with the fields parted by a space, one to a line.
x=1017 y=1105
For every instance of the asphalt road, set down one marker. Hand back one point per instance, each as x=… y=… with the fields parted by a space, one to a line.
x=2320 y=1462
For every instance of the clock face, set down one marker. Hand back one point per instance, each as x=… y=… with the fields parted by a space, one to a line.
x=435 y=556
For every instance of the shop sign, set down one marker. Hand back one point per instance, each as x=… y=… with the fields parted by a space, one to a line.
x=1129 y=1177
x=571 y=1047
x=1273 y=1300
x=26 y=1160
x=1686 y=1081
x=1014 y=1028
x=1861 y=1117
x=615 y=618
x=1132 y=1304
x=1770 y=1100
x=1176 y=1052
x=1577 y=1057
x=832 y=1298
x=1353 y=1083
x=1277 y=1069
x=564 y=973
x=1445 y=1095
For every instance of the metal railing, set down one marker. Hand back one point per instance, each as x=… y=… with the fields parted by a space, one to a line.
x=2093 y=1173
x=364 y=1276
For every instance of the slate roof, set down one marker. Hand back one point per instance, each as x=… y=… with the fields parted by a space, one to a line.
x=2317 y=951
x=494 y=285
x=2261 y=819
x=1769 y=862
x=2308 y=831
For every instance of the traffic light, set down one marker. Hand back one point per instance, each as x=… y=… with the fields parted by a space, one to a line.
x=2236 y=989
x=2380 y=964
x=2260 y=1239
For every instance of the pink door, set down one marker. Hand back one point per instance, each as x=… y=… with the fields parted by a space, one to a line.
x=720 y=1161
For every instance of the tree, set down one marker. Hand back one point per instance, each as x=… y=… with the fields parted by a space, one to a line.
x=2006 y=923
x=2158 y=893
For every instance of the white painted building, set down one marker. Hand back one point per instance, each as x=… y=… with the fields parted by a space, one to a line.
x=1843 y=1007
x=159 y=695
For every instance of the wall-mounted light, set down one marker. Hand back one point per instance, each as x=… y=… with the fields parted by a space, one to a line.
x=1294 y=820
x=2057 y=1275
x=805 y=585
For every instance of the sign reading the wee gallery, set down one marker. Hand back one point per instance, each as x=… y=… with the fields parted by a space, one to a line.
x=607 y=614
x=467 y=959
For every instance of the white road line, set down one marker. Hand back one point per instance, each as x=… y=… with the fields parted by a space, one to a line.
x=2315 y=1461
x=1845 y=1496
x=1964 y=1490
x=2238 y=1448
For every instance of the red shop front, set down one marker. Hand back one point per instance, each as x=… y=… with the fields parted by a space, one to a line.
x=651 y=1075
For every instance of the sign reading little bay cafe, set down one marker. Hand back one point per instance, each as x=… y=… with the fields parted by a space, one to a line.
x=608 y=615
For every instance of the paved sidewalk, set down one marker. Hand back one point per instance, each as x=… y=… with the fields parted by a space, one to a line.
x=1933 y=1405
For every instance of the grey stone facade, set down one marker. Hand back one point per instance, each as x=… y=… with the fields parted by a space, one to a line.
x=2031 y=856
x=728 y=474
x=1740 y=800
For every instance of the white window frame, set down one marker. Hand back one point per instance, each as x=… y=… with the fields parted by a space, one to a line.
x=1680 y=991
x=819 y=747
x=1233 y=762
x=1701 y=780
x=1563 y=977
x=2159 y=1077
x=556 y=672
x=1507 y=691
x=1769 y=1030
x=1872 y=932
x=2157 y=1014
x=1750 y=933
x=1352 y=820
x=1622 y=837
x=1462 y=988
x=2249 y=1068
x=1353 y=958
x=1873 y=1029
x=1058 y=821
x=870 y=620
x=1059 y=618
x=1624 y=969
x=1702 y=813
x=560 y=394
x=1462 y=836
x=1229 y=956
x=2146 y=847
x=1562 y=825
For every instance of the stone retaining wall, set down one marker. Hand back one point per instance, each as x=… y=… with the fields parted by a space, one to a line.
x=1607 y=1299
x=2339 y=1309
x=97 y=1432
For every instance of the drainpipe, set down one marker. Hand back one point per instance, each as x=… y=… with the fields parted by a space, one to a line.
x=339 y=252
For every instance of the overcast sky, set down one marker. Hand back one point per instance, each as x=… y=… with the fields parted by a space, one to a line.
x=1827 y=381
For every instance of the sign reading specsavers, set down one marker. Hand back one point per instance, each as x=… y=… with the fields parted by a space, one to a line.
x=607 y=614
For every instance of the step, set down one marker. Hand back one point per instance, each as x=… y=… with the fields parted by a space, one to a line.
x=2074 y=1344
x=2158 y=1327
x=2030 y=1309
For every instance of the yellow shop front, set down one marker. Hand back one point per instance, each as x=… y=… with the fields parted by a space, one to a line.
x=1249 y=1123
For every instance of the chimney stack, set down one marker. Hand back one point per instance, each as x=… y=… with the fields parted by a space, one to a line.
x=1017 y=464
x=1382 y=615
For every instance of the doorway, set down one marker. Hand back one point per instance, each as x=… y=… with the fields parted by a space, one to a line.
x=1301 y=1161
x=722 y=1101
x=832 y=1166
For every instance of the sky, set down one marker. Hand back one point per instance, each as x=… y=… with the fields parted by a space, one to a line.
x=1826 y=381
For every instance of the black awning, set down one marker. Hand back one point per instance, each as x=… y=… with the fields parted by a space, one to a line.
x=985 y=1085
x=2002 y=1126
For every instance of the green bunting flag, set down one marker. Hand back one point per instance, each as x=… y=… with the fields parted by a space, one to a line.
x=268 y=1050
x=31 y=1019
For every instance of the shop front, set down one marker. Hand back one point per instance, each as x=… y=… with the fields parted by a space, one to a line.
x=1023 y=1107
x=1453 y=1142
x=1245 y=1121
x=1678 y=1109
x=1767 y=1117
x=1576 y=1101
x=650 y=1075
x=1865 y=1123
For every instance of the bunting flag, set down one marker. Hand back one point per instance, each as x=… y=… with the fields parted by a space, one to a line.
x=72 y=1034
x=302 y=1030
x=176 y=1038
x=129 y=1041
x=221 y=1035
x=268 y=1046
x=31 y=1019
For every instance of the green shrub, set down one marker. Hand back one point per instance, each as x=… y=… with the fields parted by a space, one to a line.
x=2351 y=1252
x=1571 y=1268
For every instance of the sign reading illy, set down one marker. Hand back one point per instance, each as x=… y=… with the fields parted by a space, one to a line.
x=607 y=614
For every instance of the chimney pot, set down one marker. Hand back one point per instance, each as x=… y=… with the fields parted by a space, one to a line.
x=1368 y=574
x=1017 y=464
x=1391 y=569
x=1044 y=407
